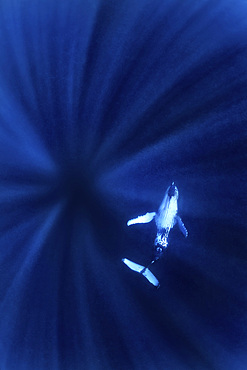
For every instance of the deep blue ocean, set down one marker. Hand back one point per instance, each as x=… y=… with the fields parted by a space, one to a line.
x=103 y=104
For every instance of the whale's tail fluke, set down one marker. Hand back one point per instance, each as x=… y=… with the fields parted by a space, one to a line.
x=142 y=270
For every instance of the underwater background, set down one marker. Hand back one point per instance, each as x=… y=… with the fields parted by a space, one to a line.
x=103 y=104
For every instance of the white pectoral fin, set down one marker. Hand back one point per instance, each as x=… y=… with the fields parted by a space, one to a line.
x=149 y=216
x=181 y=226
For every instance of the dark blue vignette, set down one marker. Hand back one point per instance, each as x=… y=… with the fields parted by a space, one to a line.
x=102 y=105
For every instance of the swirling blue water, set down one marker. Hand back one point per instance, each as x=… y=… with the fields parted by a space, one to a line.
x=102 y=105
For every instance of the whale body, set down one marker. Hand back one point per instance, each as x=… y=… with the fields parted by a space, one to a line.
x=166 y=218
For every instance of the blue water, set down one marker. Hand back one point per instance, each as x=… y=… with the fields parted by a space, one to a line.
x=102 y=105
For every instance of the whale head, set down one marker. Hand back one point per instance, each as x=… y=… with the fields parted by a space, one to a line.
x=172 y=191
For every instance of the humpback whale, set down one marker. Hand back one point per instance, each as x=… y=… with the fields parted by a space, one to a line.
x=166 y=218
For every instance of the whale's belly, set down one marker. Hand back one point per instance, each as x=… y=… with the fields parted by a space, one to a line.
x=166 y=216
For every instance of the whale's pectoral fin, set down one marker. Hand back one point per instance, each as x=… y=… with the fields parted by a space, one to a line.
x=149 y=216
x=181 y=226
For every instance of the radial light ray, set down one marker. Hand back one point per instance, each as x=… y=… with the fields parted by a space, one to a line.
x=36 y=244
x=190 y=78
